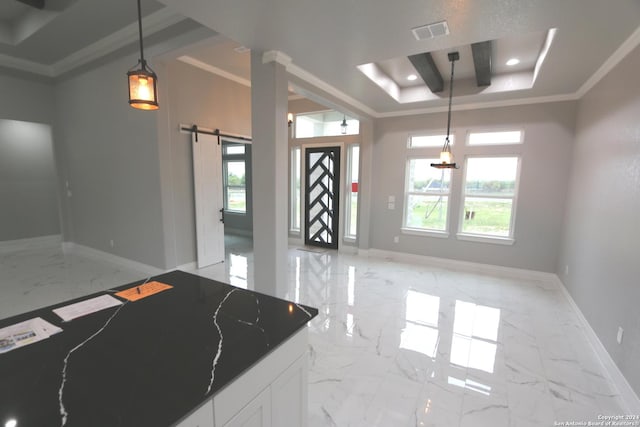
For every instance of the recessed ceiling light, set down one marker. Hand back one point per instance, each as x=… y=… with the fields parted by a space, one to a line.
x=412 y=77
x=513 y=61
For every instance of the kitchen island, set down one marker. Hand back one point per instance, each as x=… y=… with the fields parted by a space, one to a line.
x=198 y=353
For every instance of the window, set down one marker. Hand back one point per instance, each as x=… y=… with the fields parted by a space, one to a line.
x=294 y=219
x=427 y=196
x=324 y=123
x=351 y=213
x=495 y=138
x=430 y=141
x=234 y=176
x=490 y=189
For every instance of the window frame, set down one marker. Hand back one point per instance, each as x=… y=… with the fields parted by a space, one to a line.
x=494 y=130
x=230 y=158
x=478 y=237
x=351 y=235
x=351 y=121
x=443 y=134
x=295 y=192
x=405 y=229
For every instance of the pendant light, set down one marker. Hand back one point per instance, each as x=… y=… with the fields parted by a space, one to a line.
x=446 y=158
x=343 y=126
x=143 y=82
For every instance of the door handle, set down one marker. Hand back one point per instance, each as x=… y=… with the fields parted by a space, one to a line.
x=222 y=215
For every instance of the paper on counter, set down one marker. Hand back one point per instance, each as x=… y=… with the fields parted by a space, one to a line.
x=85 y=307
x=143 y=291
x=25 y=333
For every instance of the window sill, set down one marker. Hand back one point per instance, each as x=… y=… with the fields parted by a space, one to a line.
x=486 y=239
x=350 y=239
x=425 y=233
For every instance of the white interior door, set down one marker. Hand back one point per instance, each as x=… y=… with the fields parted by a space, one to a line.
x=207 y=177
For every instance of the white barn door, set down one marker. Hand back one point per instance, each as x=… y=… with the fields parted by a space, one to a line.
x=207 y=177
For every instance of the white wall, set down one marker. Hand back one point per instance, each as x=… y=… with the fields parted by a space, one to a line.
x=193 y=96
x=111 y=163
x=601 y=239
x=541 y=196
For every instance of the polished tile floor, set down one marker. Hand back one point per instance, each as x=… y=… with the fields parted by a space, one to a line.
x=395 y=343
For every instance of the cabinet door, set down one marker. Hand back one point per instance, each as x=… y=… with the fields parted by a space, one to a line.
x=256 y=414
x=289 y=396
x=201 y=417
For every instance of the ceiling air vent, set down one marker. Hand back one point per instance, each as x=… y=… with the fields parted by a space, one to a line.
x=430 y=31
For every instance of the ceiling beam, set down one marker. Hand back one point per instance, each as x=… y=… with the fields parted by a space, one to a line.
x=482 y=62
x=38 y=4
x=424 y=65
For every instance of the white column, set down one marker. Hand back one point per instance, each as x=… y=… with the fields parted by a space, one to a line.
x=270 y=170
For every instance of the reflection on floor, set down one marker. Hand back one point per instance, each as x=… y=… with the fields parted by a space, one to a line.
x=395 y=344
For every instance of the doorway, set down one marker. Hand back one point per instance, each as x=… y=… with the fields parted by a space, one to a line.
x=322 y=196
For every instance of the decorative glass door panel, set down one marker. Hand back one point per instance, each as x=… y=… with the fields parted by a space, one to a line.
x=322 y=196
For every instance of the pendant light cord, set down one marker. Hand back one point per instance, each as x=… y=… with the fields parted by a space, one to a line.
x=142 y=61
x=450 y=99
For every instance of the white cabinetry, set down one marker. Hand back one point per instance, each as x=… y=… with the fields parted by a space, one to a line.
x=273 y=393
x=256 y=414
x=202 y=417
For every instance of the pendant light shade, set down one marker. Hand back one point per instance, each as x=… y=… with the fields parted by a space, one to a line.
x=446 y=157
x=143 y=81
x=343 y=126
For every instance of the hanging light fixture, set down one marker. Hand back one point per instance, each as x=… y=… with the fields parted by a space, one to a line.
x=143 y=82
x=343 y=126
x=446 y=158
x=290 y=119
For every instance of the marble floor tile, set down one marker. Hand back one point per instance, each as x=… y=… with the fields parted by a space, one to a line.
x=395 y=343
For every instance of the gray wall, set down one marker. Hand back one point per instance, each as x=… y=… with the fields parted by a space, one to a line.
x=28 y=99
x=543 y=183
x=27 y=181
x=27 y=177
x=602 y=227
x=111 y=163
x=194 y=96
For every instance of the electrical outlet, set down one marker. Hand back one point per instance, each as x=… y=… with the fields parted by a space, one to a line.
x=111 y=243
x=396 y=239
x=566 y=270
x=391 y=206
x=620 y=333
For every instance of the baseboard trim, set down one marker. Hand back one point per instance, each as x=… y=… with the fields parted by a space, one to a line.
x=40 y=242
x=190 y=266
x=467 y=266
x=238 y=232
x=95 y=254
x=628 y=397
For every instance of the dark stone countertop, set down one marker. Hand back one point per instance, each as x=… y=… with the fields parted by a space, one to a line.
x=143 y=363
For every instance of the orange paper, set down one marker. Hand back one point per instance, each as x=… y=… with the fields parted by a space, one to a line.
x=143 y=291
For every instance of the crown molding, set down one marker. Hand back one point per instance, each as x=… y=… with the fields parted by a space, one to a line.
x=214 y=70
x=625 y=48
x=276 y=56
x=26 y=65
x=329 y=89
x=481 y=105
x=151 y=24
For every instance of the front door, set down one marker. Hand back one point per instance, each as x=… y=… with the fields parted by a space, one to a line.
x=322 y=187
